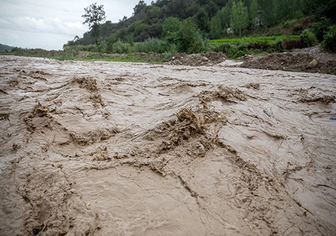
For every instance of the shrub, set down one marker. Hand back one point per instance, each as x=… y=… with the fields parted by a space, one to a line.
x=276 y=47
x=154 y=45
x=16 y=49
x=231 y=51
x=224 y=48
x=120 y=47
x=167 y=56
x=102 y=47
x=66 y=48
x=170 y=28
x=321 y=27
x=81 y=47
x=242 y=46
x=188 y=39
x=171 y=47
x=239 y=53
x=66 y=55
x=258 y=46
x=329 y=42
x=308 y=38
x=92 y=48
x=109 y=43
x=151 y=45
x=89 y=48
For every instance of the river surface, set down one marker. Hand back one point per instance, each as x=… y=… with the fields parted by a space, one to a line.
x=107 y=148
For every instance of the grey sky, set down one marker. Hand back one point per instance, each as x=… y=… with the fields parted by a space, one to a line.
x=49 y=24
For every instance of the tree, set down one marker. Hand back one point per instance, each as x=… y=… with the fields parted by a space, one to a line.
x=211 y=8
x=189 y=40
x=93 y=16
x=171 y=27
x=202 y=20
x=271 y=11
x=215 y=27
x=141 y=6
x=254 y=13
x=321 y=27
x=154 y=12
x=192 y=9
x=224 y=16
x=239 y=16
x=329 y=42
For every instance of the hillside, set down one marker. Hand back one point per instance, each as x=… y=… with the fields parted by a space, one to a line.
x=211 y=18
x=4 y=47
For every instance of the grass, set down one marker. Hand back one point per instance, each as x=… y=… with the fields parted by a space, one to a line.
x=125 y=58
x=232 y=47
x=63 y=56
x=86 y=56
x=259 y=39
x=132 y=57
x=128 y=58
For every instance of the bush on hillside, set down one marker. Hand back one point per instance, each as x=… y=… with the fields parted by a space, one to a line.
x=258 y=46
x=242 y=46
x=276 y=47
x=120 y=48
x=224 y=48
x=109 y=43
x=151 y=45
x=308 y=38
x=189 y=40
x=329 y=42
x=321 y=27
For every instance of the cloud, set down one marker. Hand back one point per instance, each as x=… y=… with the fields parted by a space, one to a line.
x=43 y=25
x=26 y=39
x=48 y=23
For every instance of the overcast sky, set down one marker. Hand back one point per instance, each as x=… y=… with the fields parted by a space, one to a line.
x=49 y=24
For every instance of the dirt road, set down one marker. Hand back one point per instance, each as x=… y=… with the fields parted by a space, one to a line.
x=97 y=148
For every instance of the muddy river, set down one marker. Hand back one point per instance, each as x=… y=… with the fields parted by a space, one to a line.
x=103 y=148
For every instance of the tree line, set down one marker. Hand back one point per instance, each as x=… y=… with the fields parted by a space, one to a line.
x=172 y=19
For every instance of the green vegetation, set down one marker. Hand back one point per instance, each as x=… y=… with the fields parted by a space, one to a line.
x=213 y=18
x=239 y=17
x=259 y=39
x=308 y=38
x=188 y=39
x=194 y=26
x=325 y=32
x=329 y=42
x=321 y=27
x=240 y=48
x=167 y=20
x=237 y=47
x=171 y=28
x=5 y=48
x=88 y=53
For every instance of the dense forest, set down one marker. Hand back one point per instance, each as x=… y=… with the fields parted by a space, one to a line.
x=206 y=19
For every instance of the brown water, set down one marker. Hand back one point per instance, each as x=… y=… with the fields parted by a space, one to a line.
x=98 y=148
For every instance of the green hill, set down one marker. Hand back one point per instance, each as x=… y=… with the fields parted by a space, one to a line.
x=4 y=48
x=171 y=20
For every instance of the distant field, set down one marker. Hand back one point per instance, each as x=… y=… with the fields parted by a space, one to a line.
x=266 y=39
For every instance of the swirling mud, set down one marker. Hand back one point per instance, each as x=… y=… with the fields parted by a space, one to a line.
x=97 y=148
